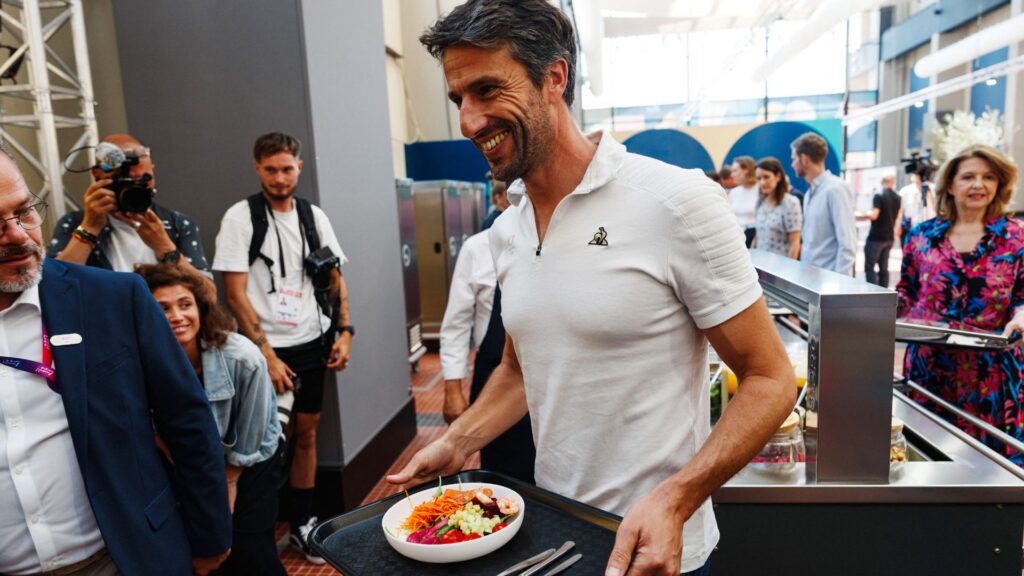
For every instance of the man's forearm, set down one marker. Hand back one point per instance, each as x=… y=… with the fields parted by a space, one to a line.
x=344 y=317
x=500 y=405
x=76 y=251
x=754 y=414
x=249 y=323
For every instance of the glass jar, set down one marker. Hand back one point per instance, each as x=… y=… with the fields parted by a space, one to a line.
x=897 y=445
x=786 y=445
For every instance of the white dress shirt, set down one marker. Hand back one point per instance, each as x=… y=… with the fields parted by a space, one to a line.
x=46 y=520
x=469 y=306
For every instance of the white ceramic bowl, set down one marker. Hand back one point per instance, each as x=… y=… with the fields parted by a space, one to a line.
x=460 y=551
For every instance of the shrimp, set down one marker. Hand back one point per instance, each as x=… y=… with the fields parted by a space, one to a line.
x=508 y=506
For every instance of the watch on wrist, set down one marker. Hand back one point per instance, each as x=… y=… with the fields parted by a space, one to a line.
x=170 y=257
x=347 y=328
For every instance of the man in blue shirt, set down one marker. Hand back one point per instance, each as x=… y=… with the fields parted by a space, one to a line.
x=829 y=234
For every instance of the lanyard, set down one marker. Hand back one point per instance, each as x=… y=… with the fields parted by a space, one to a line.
x=280 y=247
x=44 y=369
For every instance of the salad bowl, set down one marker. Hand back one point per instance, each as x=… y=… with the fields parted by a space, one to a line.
x=458 y=551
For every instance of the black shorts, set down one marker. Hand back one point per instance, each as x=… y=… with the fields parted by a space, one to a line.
x=308 y=362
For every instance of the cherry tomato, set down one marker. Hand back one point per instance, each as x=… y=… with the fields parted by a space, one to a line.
x=453 y=537
x=499 y=526
x=472 y=536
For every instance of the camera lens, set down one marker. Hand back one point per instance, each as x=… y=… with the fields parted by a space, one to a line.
x=136 y=199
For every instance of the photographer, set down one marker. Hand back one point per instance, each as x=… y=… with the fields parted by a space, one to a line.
x=280 y=260
x=124 y=227
x=917 y=199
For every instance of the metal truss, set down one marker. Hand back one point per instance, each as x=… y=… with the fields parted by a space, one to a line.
x=32 y=25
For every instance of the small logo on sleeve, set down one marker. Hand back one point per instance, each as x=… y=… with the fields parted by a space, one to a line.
x=600 y=237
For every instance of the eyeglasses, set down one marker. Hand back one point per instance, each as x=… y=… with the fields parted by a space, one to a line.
x=28 y=218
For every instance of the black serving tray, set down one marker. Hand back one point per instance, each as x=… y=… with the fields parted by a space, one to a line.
x=355 y=545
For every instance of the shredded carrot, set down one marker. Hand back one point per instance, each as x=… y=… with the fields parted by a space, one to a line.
x=428 y=513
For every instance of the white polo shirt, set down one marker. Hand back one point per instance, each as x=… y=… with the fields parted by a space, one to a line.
x=606 y=318
x=469 y=306
x=282 y=327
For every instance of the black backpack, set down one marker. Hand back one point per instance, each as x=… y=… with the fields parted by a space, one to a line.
x=258 y=209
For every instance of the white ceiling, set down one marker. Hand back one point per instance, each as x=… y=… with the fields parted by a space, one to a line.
x=641 y=17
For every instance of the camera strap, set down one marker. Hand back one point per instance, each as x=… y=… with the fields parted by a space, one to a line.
x=259 y=208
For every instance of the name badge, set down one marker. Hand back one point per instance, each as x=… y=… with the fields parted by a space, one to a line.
x=65 y=339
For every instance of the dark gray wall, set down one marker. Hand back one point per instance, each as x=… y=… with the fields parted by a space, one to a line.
x=202 y=79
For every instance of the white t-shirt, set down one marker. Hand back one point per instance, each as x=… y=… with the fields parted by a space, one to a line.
x=288 y=316
x=469 y=306
x=607 y=322
x=126 y=248
x=913 y=206
x=743 y=201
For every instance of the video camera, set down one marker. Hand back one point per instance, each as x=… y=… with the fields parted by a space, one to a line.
x=920 y=164
x=133 y=194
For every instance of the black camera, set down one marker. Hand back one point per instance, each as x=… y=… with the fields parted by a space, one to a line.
x=318 y=265
x=920 y=164
x=133 y=194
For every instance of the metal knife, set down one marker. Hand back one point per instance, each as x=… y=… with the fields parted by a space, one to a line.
x=565 y=548
x=564 y=565
x=527 y=563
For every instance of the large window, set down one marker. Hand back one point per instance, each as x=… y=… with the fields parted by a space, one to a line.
x=705 y=78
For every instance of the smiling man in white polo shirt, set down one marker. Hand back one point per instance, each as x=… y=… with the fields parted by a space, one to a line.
x=616 y=271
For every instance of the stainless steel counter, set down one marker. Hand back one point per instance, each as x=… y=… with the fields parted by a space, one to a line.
x=972 y=473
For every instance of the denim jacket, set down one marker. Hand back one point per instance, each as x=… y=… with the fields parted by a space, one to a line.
x=236 y=380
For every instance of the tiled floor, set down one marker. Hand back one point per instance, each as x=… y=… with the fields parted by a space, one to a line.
x=428 y=389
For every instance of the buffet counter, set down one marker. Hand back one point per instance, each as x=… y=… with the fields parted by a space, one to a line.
x=952 y=507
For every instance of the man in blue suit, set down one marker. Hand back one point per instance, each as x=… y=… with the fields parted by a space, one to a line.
x=88 y=368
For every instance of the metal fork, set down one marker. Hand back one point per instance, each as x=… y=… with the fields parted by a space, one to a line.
x=538 y=562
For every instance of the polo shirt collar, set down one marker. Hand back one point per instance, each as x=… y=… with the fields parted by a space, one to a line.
x=603 y=166
x=602 y=169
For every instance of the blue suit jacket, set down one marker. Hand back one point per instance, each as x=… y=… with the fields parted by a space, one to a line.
x=126 y=376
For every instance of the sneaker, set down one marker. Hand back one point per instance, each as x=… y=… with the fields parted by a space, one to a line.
x=297 y=538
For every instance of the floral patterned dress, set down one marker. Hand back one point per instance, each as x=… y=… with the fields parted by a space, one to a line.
x=978 y=291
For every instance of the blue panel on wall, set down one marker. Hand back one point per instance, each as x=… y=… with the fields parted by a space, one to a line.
x=672 y=147
x=941 y=16
x=445 y=160
x=773 y=140
x=916 y=114
x=863 y=140
x=989 y=96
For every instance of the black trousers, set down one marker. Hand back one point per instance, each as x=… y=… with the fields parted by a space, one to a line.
x=749 y=234
x=253 y=550
x=876 y=254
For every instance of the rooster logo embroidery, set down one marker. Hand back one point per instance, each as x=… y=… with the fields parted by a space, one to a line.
x=600 y=237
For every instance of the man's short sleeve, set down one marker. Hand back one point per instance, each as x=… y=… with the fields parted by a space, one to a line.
x=231 y=251
x=326 y=233
x=876 y=201
x=709 y=266
x=62 y=233
x=189 y=243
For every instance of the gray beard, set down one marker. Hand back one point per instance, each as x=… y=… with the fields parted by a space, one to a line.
x=27 y=279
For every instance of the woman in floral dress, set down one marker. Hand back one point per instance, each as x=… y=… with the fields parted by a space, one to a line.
x=779 y=215
x=965 y=269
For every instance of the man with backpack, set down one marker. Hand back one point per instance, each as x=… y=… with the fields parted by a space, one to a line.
x=281 y=265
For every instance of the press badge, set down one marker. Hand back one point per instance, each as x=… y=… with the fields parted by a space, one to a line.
x=286 y=310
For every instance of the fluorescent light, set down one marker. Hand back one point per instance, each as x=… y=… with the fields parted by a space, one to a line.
x=991 y=82
x=919 y=104
x=863 y=115
x=982 y=42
